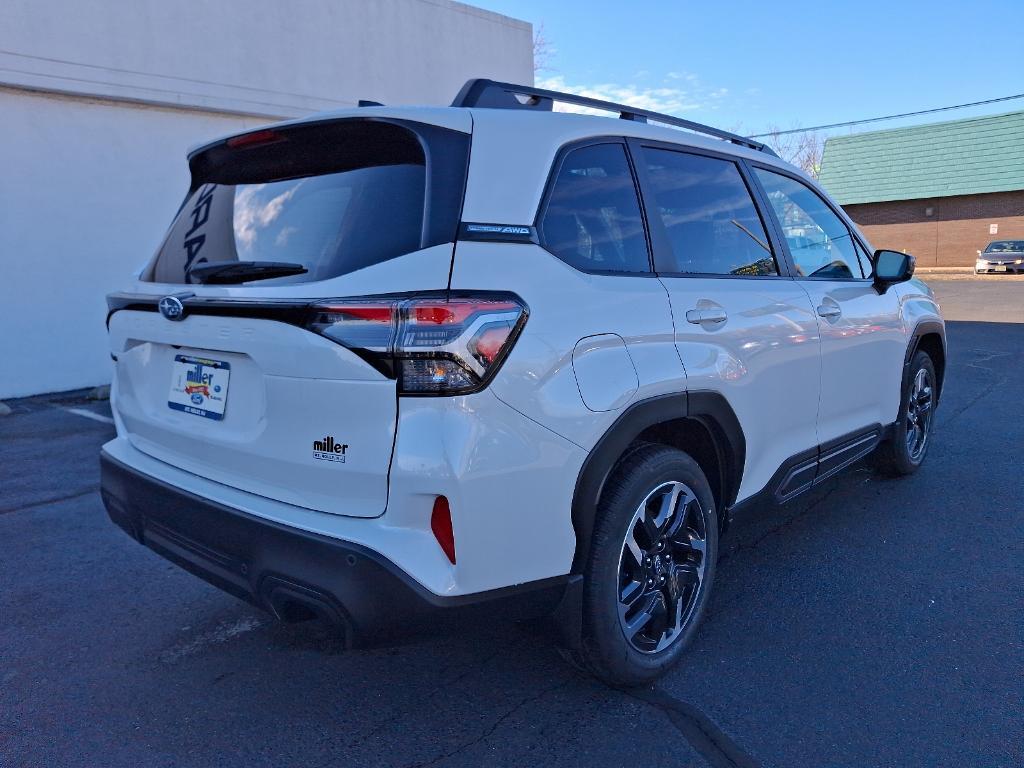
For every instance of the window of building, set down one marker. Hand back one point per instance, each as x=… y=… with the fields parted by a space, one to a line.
x=820 y=243
x=710 y=218
x=592 y=220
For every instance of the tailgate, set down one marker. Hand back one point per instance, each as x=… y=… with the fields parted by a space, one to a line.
x=304 y=420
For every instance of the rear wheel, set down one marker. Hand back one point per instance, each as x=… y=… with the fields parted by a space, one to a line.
x=651 y=566
x=905 y=451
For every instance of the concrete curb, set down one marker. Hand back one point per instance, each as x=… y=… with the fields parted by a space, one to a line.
x=102 y=392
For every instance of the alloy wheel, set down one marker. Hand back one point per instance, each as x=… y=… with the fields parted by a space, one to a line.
x=661 y=567
x=919 y=414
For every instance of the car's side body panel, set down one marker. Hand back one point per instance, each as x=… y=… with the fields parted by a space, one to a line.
x=566 y=307
x=764 y=359
x=862 y=351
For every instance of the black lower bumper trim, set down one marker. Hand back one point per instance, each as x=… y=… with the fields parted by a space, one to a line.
x=296 y=574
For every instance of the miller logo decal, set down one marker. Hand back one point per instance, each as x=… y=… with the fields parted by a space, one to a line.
x=327 y=449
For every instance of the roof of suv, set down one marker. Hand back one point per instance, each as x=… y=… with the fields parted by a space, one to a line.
x=518 y=145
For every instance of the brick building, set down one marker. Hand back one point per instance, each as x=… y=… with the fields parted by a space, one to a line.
x=941 y=191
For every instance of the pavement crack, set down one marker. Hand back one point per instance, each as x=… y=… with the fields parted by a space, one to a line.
x=985 y=356
x=778 y=528
x=54 y=500
x=699 y=730
x=495 y=725
x=445 y=683
x=975 y=400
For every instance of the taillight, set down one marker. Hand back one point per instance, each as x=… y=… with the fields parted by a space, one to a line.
x=431 y=345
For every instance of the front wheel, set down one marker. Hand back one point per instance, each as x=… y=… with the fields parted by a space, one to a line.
x=651 y=566
x=904 y=453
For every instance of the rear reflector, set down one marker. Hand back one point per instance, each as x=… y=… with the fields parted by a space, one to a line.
x=441 y=525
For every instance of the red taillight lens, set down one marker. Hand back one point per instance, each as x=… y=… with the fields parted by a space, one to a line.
x=440 y=346
x=488 y=344
x=363 y=326
x=441 y=525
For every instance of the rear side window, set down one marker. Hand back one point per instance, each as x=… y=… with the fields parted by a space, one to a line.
x=592 y=219
x=712 y=224
x=334 y=198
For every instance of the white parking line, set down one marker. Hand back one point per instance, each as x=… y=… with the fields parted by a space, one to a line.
x=89 y=415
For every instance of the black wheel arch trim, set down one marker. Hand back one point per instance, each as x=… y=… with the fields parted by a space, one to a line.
x=922 y=329
x=710 y=409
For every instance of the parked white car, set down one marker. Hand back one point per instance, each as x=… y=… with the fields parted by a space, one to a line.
x=393 y=366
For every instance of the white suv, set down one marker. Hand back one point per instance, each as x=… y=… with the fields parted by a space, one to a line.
x=393 y=366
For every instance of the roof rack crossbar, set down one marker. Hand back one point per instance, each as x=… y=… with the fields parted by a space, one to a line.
x=481 y=92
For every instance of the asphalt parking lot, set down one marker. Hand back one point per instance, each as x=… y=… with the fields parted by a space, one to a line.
x=878 y=623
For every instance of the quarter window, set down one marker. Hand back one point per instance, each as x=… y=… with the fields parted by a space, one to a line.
x=866 y=267
x=592 y=220
x=820 y=243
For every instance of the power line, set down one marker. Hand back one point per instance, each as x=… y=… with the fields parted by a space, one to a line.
x=887 y=117
x=162 y=77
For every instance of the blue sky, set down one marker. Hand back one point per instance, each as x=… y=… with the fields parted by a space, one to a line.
x=748 y=66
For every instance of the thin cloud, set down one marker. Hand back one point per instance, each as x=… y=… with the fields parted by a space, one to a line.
x=665 y=98
x=254 y=214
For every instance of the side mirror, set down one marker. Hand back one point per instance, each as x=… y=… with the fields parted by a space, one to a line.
x=892 y=267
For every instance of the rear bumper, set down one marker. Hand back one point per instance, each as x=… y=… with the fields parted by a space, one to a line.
x=294 y=573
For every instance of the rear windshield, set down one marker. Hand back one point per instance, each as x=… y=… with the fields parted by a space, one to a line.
x=1006 y=246
x=333 y=198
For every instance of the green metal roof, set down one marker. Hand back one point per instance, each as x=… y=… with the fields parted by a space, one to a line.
x=960 y=157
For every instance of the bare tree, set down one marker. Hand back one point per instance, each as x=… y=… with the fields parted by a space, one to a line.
x=801 y=148
x=542 y=51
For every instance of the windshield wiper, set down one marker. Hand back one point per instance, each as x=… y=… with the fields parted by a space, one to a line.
x=752 y=236
x=227 y=272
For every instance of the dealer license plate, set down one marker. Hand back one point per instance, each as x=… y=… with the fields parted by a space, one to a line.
x=199 y=386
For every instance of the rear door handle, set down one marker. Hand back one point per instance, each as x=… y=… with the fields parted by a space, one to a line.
x=829 y=311
x=698 y=316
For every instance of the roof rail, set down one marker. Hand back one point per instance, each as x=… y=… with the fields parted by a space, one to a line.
x=481 y=92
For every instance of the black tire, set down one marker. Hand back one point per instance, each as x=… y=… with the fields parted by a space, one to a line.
x=905 y=451
x=682 y=570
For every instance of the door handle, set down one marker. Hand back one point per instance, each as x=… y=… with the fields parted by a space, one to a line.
x=829 y=311
x=698 y=316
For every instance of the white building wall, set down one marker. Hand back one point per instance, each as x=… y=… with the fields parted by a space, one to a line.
x=99 y=102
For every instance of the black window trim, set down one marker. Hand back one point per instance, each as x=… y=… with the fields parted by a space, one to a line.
x=777 y=225
x=661 y=247
x=556 y=167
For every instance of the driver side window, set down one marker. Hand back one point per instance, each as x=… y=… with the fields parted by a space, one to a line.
x=820 y=243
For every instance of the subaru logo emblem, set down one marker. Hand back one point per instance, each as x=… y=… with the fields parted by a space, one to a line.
x=172 y=308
